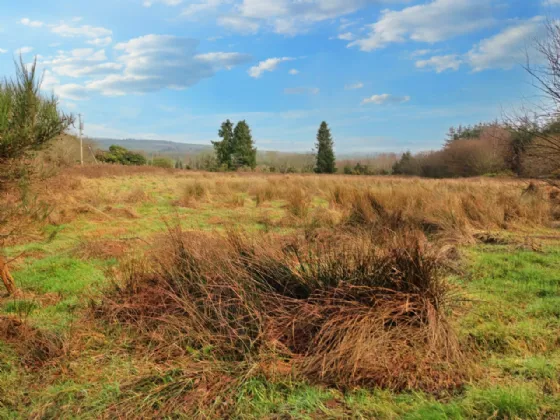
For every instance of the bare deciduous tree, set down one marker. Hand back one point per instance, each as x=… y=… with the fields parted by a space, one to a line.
x=536 y=133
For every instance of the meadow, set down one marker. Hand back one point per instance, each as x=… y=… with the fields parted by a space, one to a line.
x=152 y=293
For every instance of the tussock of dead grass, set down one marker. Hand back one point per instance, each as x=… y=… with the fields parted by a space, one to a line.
x=194 y=191
x=35 y=347
x=299 y=203
x=347 y=309
x=101 y=249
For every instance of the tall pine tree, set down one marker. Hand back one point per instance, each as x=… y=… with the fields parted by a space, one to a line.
x=326 y=163
x=225 y=148
x=244 y=152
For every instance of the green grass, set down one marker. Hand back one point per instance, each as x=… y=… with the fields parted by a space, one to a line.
x=511 y=319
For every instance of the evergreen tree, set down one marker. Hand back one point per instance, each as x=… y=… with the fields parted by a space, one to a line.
x=225 y=148
x=326 y=163
x=244 y=152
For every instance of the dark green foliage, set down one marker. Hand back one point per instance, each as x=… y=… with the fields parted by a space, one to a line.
x=236 y=150
x=358 y=169
x=407 y=165
x=244 y=152
x=224 y=148
x=467 y=132
x=326 y=163
x=122 y=156
x=161 y=162
x=178 y=164
x=28 y=121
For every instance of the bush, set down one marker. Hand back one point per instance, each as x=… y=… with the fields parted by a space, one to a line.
x=29 y=122
x=121 y=155
x=160 y=162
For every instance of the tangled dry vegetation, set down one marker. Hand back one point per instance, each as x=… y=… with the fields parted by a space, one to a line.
x=360 y=307
x=452 y=208
x=343 y=283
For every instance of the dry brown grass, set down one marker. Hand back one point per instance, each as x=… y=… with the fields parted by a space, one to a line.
x=102 y=249
x=346 y=308
x=299 y=203
x=457 y=207
x=35 y=347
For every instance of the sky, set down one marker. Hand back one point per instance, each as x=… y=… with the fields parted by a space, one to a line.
x=387 y=75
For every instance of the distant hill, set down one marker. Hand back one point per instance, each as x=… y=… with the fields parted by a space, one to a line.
x=160 y=147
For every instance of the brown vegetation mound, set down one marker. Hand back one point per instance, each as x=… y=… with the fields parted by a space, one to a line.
x=360 y=308
x=35 y=347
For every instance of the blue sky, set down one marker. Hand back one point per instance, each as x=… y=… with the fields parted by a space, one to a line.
x=387 y=75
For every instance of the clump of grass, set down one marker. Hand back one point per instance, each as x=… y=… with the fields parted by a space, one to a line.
x=138 y=195
x=351 y=309
x=236 y=201
x=519 y=401
x=21 y=307
x=101 y=249
x=193 y=192
x=264 y=193
x=35 y=347
x=299 y=203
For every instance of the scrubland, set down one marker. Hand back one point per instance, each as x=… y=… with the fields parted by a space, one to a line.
x=154 y=293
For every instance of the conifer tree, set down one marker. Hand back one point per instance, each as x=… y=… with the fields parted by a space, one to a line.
x=326 y=163
x=244 y=152
x=224 y=149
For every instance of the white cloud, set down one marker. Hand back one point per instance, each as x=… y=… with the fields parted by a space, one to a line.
x=2 y=51
x=202 y=7
x=155 y=62
x=294 y=72
x=294 y=16
x=24 y=50
x=551 y=3
x=348 y=36
x=101 y=42
x=432 y=22
x=72 y=91
x=31 y=23
x=441 y=63
x=346 y=23
x=302 y=91
x=354 y=86
x=508 y=48
x=85 y=31
x=149 y=3
x=385 y=98
x=267 y=65
x=81 y=62
x=420 y=53
x=239 y=24
x=49 y=81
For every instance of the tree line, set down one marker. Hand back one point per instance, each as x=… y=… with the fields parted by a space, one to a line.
x=489 y=149
x=236 y=150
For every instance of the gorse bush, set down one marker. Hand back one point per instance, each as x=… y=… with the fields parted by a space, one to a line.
x=121 y=155
x=29 y=121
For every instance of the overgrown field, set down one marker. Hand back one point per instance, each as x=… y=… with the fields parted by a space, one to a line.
x=166 y=294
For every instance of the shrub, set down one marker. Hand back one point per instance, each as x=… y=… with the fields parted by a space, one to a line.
x=160 y=162
x=121 y=155
x=28 y=123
